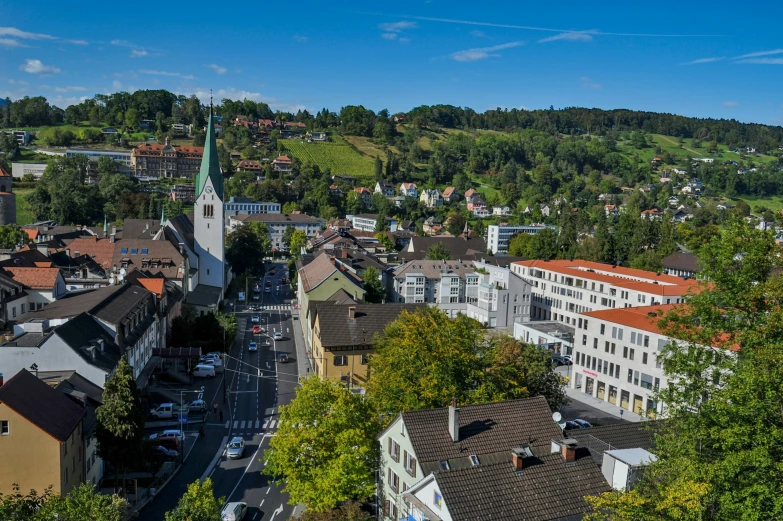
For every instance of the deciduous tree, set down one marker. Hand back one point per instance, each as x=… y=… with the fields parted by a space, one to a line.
x=438 y=251
x=197 y=504
x=373 y=285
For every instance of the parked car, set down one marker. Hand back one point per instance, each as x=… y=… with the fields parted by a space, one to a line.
x=252 y=347
x=169 y=432
x=164 y=453
x=268 y=283
x=278 y=335
x=166 y=410
x=234 y=512
x=197 y=406
x=170 y=442
x=272 y=272
x=235 y=448
x=204 y=371
x=268 y=290
x=582 y=423
x=283 y=358
x=254 y=319
x=573 y=425
x=560 y=360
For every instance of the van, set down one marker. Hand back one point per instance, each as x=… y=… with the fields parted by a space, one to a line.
x=204 y=371
x=234 y=512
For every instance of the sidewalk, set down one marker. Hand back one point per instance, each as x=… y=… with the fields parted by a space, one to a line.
x=603 y=406
x=302 y=360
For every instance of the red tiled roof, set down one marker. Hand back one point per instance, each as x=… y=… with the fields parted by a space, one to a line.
x=667 y=285
x=282 y=159
x=449 y=191
x=101 y=250
x=34 y=278
x=156 y=149
x=31 y=233
x=3 y=173
x=153 y=285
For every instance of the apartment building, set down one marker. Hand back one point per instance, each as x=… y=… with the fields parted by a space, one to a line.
x=246 y=206
x=563 y=289
x=499 y=235
x=447 y=285
x=503 y=298
x=368 y=222
x=277 y=223
x=616 y=356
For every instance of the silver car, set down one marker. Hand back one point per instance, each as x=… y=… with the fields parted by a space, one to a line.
x=235 y=448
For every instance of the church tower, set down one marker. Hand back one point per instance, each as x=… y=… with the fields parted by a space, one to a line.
x=208 y=222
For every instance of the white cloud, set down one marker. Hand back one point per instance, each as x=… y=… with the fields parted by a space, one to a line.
x=239 y=95
x=482 y=53
x=116 y=85
x=763 y=61
x=587 y=83
x=17 y=33
x=77 y=42
x=300 y=39
x=138 y=53
x=37 y=67
x=705 y=60
x=730 y=104
x=69 y=89
x=571 y=36
x=166 y=73
x=389 y=36
x=478 y=34
x=217 y=68
x=759 y=53
x=10 y=43
x=396 y=27
x=404 y=40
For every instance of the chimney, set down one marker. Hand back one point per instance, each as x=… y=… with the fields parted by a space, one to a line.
x=68 y=252
x=518 y=456
x=113 y=230
x=454 y=420
x=568 y=450
x=112 y=238
x=351 y=312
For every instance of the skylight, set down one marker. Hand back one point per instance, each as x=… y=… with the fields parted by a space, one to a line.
x=124 y=251
x=134 y=251
x=144 y=251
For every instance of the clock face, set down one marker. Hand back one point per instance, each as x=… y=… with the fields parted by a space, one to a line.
x=209 y=189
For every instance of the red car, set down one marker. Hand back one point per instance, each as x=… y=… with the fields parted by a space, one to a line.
x=271 y=272
x=256 y=329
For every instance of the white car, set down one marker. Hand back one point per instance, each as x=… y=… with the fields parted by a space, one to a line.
x=170 y=432
x=278 y=335
x=252 y=347
x=254 y=319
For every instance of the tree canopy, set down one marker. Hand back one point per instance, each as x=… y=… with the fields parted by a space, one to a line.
x=197 y=504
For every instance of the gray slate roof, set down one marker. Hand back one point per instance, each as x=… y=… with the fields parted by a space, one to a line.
x=471 y=249
x=50 y=410
x=620 y=436
x=682 y=261
x=485 y=428
x=80 y=331
x=545 y=490
x=337 y=329
x=434 y=269
x=110 y=304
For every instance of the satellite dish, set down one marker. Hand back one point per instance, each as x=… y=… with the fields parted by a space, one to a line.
x=123 y=271
x=120 y=277
x=557 y=417
x=111 y=281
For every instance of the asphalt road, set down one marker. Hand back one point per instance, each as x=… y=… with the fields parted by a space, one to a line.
x=257 y=385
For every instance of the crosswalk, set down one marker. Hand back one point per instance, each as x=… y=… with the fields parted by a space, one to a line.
x=276 y=307
x=240 y=427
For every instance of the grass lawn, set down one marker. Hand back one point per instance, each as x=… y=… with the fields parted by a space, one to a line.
x=338 y=156
x=774 y=203
x=671 y=144
x=24 y=214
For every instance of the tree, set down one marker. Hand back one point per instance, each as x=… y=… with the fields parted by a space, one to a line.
x=95 y=116
x=717 y=455
x=120 y=430
x=457 y=221
x=378 y=169
x=246 y=248
x=348 y=511
x=132 y=119
x=325 y=449
x=384 y=239
x=287 y=234
x=438 y=251
x=83 y=503
x=298 y=241
x=11 y=236
x=197 y=504
x=373 y=285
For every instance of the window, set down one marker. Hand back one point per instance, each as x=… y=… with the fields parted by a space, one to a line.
x=595 y=343
x=364 y=359
x=134 y=251
x=444 y=465
x=410 y=464
x=620 y=334
x=209 y=210
x=474 y=460
x=646 y=341
x=614 y=332
x=124 y=251
x=13 y=311
x=613 y=347
x=657 y=383
x=5 y=428
x=633 y=337
x=145 y=251
x=631 y=354
x=340 y=360
x=394 y=450
x=584 y=340
x=644 y=358
x=393 y=481
x=22 y=308
x=630 y=375
x=603 y=328
x=625 y=351
x=390 y=509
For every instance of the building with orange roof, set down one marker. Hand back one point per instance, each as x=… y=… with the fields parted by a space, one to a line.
x=167 y=160
x=616 y=356
x=562 y=289
x=42 y=286
x=282 y=164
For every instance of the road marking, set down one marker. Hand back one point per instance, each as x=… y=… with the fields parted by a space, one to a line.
x=236 y=424
x=278 y=510
x=268 y=488
x=262 y=503
x=227 y=423
x=257 y=423
x=255 y=516
x=266 y=423
x=247 y=468
x=242 y=425
x=272 y=424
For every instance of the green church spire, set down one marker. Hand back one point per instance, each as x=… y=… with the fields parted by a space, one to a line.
x=210 y=164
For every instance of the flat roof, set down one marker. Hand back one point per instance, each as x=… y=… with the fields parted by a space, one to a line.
x=549 y=327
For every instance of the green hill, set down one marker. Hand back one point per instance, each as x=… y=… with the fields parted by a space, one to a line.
x=338 y=155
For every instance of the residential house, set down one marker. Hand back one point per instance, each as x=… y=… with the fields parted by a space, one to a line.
x=545 y=210
x=276 y=225
x=184 y=193
x=611 y=209
x=499 y=235
x=450 y=194
x=447 y=285
x=673 y=201
x=465 y=248
x=41 y=437
x=681 y=264
x=357 y=262
x=501 y=210
x=501 y=460
x=320 y=279
x=282 y=164
x=42 y=286
x=343 y=336
x=470 y=193
x=385 y=188
x=347 y=179
x=481 y=212
x=369 y=222
x=335 y=190
x=652 y=215
x=318 y=136
x=432 y=225
x=681 y=214
x=409 y=190
x=563 y=289
x=250 y=165
x=88 y=396
x=364 y=194
x=476 y=203
x=431 y=198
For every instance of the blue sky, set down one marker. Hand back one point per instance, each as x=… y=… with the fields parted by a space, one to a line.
x=718 y=59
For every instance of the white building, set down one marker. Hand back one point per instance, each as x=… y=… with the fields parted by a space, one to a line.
x=367 y=222
x=93 y=154
x=277 y=224
x=501 y=210
x=616 y=356
x=409 y=190
x=19 y=170
x=22 y=137
x=563 y=289
x=557 y=337
x=246 y=206
x=499 y=235
x=431 y=198
x=385 y=188
x=503 y=297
